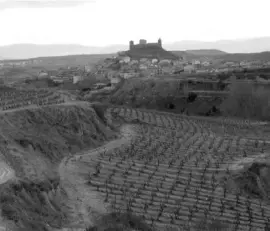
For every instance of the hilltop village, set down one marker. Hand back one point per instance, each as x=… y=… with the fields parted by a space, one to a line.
x=139 y=60
x=151 y=59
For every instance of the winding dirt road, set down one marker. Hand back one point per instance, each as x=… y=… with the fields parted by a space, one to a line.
x=6 y=173
x=84 y=203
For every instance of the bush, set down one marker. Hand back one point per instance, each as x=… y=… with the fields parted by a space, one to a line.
x=34 y=206
x=120 y=222
x=191 y=97
x=87 y=83
x=247 y=101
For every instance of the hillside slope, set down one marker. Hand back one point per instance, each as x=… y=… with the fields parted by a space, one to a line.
x=220 y=55
x=150 y=52
x=206 y=52
x=210 y=54
x=160 y=94
x=263 y=56
x=26 y=51
x=34 y=141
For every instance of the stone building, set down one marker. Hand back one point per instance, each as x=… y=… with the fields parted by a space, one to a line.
x=143 y=44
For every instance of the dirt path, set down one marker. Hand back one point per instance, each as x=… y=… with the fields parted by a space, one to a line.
x=84 y=203
x=6 y=173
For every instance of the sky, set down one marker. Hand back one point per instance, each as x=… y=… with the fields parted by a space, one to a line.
x=107 y=22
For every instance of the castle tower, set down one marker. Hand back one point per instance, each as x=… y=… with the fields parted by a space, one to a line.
x=131 y=44
x=142 y=42
x=160 y=42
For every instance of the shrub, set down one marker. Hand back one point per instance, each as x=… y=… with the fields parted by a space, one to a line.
x=191 y=97
x=119 y=222
x=34 y=206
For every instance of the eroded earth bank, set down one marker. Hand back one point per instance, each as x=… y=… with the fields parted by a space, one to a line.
x=33 y=142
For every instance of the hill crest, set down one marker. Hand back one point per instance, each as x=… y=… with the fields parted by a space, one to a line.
x=151 y=52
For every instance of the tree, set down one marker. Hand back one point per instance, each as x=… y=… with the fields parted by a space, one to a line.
x=191 y=97
x=247 y=101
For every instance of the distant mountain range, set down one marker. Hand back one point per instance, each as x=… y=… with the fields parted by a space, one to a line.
x=230 y=46
x=25 y=51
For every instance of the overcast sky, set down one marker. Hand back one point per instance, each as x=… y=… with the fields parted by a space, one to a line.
x=105 y=22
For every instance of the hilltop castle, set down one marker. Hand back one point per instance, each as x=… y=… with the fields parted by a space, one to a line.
x=149 y=51
x=143 y=44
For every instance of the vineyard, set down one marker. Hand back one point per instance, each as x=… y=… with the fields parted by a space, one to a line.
x=20 y=98
x=181 y=170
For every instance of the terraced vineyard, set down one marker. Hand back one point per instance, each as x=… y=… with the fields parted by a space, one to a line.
x=177 y=168
x=20 y=98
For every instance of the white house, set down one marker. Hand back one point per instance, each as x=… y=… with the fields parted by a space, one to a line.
x=133 y=62
x=202 y=71
x=178 y=62
x=57 y=79
x=195 y=61
x=111 y=74
x=77 y=78
x=189 y=69
x=226 y=69
x=164 y=63
x=167 y=70
x=206 y=63
x=262 y=80
x=87 y=68
x=229 y=63
x=42 y=75
x=142 y=67
x=127 y=75
x=124 y=59
x=115 y=80
x=143 y=60
x=154 y=60
x=267 y=63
